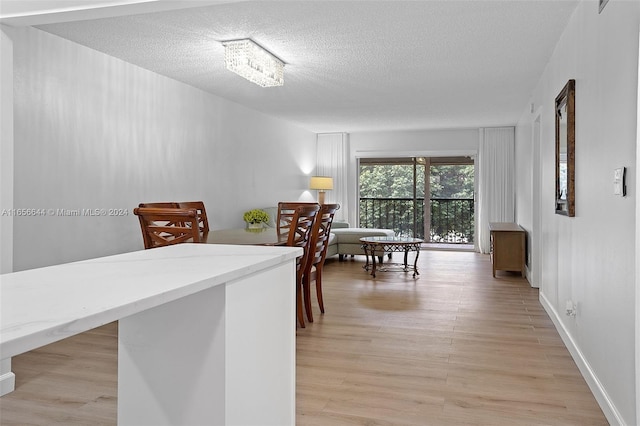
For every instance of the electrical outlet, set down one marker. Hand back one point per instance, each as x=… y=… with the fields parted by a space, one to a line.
x=571 y=308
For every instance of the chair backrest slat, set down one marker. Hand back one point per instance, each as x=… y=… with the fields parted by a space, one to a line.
x=162 y=205
x=203 y=222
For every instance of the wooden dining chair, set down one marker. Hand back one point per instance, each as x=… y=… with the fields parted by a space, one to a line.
x=286 y=211
x=317 y=255
x=203 y=221
x=167 y=226
x=299 y=235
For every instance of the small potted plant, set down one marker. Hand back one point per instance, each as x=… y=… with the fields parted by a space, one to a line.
x=255 y=218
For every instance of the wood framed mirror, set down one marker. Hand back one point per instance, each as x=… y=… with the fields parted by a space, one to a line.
x=565 y=109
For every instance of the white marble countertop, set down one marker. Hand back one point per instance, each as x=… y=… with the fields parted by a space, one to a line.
x=44 y=305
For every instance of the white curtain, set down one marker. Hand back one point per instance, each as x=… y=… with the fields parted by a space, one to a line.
x=496 y=186
x=332 y=159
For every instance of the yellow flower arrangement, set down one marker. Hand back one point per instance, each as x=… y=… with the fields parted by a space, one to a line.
x=256 y=216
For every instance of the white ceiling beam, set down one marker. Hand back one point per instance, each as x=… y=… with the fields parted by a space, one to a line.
x=18 y=13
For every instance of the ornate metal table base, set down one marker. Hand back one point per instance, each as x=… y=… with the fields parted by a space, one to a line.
x=373 y=246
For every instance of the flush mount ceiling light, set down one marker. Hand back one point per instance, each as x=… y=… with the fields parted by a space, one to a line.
x=249 y=60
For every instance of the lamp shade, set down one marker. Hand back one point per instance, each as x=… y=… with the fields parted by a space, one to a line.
x=321 y=183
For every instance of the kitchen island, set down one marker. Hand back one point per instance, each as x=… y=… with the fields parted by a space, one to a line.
x=206 y=332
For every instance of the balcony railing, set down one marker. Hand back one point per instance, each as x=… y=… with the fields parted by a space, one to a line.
x=452 y=220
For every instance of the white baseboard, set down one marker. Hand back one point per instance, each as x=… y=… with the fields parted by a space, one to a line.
x=607 y=406
x=7 y=383
x=528 y=275
x=7 y=378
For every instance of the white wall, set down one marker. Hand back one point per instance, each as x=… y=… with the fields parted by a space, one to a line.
x=638 y=250
x=94 y=132
x=590 y=258
x=427 y=143
x=524 y=144
x=6 y=151
x=7 y=378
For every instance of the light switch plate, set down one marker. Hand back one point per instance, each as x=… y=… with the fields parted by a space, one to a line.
x=619 y=184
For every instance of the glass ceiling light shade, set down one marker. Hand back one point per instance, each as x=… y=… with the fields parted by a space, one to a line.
x=249 y=60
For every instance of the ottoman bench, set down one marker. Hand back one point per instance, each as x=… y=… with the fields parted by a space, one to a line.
x=348 y=239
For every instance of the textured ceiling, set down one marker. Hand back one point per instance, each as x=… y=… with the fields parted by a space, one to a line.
x=352 y=65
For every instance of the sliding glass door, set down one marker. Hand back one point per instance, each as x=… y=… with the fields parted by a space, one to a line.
x=427 y=197
x=392 y=195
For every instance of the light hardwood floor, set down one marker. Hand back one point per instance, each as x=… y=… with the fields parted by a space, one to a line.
x=452 y=347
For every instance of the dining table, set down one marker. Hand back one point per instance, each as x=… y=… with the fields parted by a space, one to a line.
x=246 y=236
